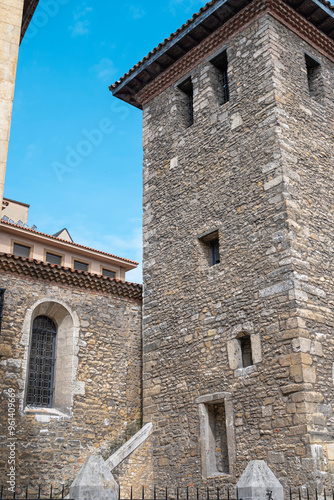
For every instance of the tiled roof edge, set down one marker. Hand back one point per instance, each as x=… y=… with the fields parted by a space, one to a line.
x=164 y=43
x=68 y=242
x=112 y=87
x=67 y=276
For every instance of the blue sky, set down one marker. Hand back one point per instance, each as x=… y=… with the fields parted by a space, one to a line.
x=75 y=152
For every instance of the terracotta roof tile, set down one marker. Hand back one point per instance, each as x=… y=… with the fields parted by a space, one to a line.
x=68 y=242
x=70 y=277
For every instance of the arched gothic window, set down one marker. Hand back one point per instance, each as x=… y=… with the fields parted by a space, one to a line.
x=41 y=365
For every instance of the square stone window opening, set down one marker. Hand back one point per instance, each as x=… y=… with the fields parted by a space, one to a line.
x=210 y=247
x=244 y=353
x=216 y=434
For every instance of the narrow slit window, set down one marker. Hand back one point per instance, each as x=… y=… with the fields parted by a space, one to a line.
x=2 y=298
x=42 y=360
x=187 y=90
x=246 y=351
x=214 y=252
x=221 y=64
x=313 y=69
x=210 y=246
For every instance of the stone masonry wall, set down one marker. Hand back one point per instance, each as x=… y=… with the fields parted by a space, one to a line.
x=10 y=30
x=306 y=120
x=231 y=171
x=52 y=445
x=136 y=471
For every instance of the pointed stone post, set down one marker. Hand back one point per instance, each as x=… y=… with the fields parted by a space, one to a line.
x=94 y=481
x=259 y=483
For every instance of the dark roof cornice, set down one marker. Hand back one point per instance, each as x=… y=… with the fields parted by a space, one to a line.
x=65 y=276
x=320 y=13
x=28 y=11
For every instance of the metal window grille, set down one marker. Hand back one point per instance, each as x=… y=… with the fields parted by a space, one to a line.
x=42 y=359
x=2 y=298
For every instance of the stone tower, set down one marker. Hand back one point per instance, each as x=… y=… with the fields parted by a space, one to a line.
x=238 y=241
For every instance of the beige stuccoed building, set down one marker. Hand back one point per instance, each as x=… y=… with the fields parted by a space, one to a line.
x=18 y=239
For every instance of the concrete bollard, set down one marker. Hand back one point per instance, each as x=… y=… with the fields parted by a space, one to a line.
x=94 y=481
x=258 y=482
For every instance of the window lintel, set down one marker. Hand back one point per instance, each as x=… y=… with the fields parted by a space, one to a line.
x=216 y=397
x=208 y=236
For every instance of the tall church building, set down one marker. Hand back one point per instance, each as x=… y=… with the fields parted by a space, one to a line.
x=238 y=315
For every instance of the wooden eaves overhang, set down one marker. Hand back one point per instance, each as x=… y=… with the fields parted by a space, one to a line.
x=320 y=13
x=29 y=8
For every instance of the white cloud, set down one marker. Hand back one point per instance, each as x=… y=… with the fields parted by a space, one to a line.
x=188 y=6
x=31 y=151
x=105 y=70
x=128 y=247
x=80 y=28
x=82 y=12
x=81 y=24
x=136 y=12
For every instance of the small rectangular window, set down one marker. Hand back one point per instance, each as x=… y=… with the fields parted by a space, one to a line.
x=313 y=69
x=2 y=298
x=110 y=274
x=80 y=266
x=210 y=245
x=186 y=88
x=214 y=251
x=246 y=351
x=53 y=259
x=220 y=63
x=21 y=250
